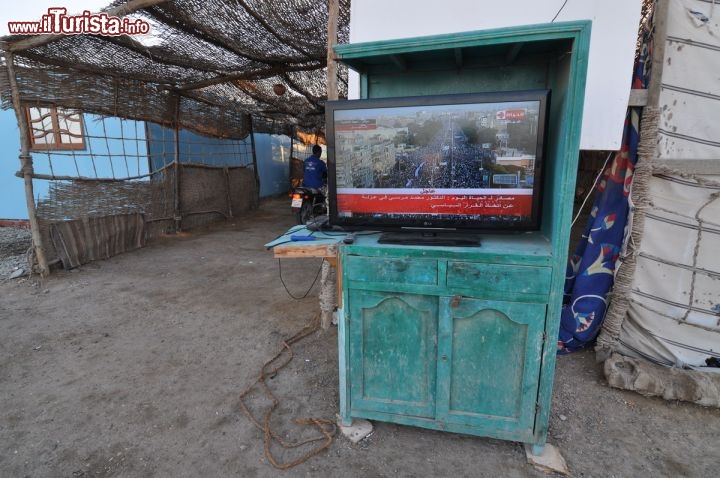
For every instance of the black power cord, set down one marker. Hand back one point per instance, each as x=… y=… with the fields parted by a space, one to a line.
x=311 y=285
x=558 y=12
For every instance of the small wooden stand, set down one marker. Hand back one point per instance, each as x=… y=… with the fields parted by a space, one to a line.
x=329 y=292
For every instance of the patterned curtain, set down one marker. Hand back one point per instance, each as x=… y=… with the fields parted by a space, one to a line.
x=591 y=269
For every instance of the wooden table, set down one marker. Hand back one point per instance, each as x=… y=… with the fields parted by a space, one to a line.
x=325 y=247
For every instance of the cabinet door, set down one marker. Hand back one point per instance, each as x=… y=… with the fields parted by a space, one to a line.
x=489 y=364
x=393 y=341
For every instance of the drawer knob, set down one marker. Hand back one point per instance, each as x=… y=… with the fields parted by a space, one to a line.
x=455 y=301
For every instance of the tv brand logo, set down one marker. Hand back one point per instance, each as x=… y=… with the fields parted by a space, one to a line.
x=58 y=22
x=510 y=115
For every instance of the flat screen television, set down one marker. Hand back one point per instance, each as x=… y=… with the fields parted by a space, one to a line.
x=463 y=163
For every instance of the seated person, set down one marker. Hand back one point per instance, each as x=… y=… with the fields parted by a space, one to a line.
x=315 y=170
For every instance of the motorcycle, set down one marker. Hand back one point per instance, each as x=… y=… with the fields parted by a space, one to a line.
x=308 y=204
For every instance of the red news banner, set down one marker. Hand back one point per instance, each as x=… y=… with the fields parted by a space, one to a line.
x=488 y=202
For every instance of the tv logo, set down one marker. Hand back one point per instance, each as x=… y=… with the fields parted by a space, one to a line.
x=510 y=115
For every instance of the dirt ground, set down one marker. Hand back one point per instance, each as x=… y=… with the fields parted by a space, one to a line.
x=133 y=367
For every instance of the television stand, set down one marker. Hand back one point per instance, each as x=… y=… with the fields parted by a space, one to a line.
x=430 y=238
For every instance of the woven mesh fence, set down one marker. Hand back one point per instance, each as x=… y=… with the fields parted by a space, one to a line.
x=205 y=65
x=221 y=68
x=207 y=195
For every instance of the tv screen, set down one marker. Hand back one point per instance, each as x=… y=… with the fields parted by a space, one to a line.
x=470 y=162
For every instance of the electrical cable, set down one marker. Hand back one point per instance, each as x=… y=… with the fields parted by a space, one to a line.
x=311 y=285
x=602 y=171
x=558 y=12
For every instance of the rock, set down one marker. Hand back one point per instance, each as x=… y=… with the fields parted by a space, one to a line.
x=670 y=383
x=549 y=461
x=17 y=273
x=357 y=431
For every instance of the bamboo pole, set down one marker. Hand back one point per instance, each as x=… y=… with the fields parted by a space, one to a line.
x=56 y=177
x=228 y=191
x=333 y=13
x=257 y=74
x=290 y=171
x=254 y=158
x=26 y=167
x=176 y=130
x=662 y=8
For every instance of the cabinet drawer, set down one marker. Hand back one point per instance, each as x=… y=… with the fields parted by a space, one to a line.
x=499 y=278
x=399 y=270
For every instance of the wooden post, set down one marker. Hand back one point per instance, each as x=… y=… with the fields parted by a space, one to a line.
x=177 y=215
x=290 y=171
x=228 y=190
x=26 y=167
x=254 y=158
x=333 y=13
x=658 y=51
x=327 y=295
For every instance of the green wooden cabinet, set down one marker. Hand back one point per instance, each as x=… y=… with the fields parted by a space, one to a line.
x=393 y=350
x=463 y=339
x=489 y=364
x=443 y=342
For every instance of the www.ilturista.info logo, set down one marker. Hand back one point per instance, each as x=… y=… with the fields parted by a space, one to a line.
x=57 y=21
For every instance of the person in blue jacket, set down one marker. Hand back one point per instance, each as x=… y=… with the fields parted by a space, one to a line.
x=315 y=170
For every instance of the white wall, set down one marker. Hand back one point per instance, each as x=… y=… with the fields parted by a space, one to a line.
x=612 y=44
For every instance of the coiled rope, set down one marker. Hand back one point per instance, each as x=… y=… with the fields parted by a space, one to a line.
x=270 y=369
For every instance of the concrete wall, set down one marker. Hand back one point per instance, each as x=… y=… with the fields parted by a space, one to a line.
x=273 y=154
x=110 y=161
x=12 y=191
x=273 y=163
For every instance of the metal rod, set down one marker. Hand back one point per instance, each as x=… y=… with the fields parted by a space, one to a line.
x=26 y=166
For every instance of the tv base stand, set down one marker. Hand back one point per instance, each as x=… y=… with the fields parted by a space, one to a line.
x=425 y=238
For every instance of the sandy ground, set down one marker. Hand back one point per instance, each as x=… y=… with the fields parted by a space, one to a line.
x=133 y=367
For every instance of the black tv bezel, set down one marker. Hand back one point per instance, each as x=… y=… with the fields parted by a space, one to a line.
x=457 y=224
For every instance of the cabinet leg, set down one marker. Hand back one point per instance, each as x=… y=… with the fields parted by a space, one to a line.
x=537 y=449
